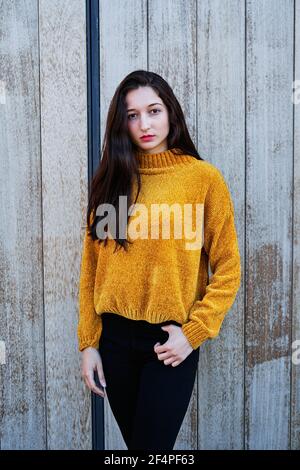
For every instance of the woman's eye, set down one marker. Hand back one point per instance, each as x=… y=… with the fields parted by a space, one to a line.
x=132 y=115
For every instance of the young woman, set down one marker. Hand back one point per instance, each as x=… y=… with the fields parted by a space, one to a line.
x=146 y=301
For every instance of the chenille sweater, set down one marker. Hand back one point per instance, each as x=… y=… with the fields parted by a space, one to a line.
x=161 y=278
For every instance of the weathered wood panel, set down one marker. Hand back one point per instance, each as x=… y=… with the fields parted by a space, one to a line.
x=221 y=137
x=295 y=391
x=120 y=53
x=172 y=52
x=22 y=381
x=64 y=169
x=269 y=183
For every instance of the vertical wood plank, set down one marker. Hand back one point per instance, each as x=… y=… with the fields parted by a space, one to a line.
x=269 y=153
x=295 y=392
x=172 y=54
x=120 y=53
x=64 y=167
x=221 y=111
x=22 y=381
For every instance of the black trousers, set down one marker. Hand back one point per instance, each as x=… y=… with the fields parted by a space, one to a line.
x=148 y=399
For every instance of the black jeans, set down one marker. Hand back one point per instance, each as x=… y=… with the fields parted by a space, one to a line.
x=148 y=399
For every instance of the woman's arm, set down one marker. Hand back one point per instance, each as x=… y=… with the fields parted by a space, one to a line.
x=89 y=324
x=221 y=245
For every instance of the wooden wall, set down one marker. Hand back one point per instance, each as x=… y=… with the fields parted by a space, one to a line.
x=43 y=143
x=232 y=65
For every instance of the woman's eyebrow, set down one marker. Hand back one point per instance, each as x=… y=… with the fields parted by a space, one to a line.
x=152 y=104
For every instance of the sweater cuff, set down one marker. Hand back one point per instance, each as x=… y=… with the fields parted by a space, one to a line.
x=195 y=333
x=88 y=342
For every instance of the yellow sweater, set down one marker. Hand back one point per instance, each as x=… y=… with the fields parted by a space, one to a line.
x=161 y=279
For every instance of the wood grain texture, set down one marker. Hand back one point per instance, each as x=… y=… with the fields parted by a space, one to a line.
x=221 y=111
x=269 y=183
x=64 y=170
x=295 y=385
x=22 y=381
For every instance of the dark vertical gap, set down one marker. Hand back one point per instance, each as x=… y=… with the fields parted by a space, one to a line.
x=292 y=254
x=93 y=126
x=42 y=229
x=245 y=219
x=93 y=85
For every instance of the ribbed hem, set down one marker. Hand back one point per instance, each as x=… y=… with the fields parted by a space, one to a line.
x=195 y=333
x=149 y=162
x=135 y=314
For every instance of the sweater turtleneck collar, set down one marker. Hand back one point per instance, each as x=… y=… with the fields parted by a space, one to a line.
x=162 y=161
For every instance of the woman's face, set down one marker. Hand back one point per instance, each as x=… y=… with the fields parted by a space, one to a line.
x=147 y=115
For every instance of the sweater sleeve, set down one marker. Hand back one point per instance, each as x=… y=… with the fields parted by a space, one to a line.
x=221 y=245
x=89 y=324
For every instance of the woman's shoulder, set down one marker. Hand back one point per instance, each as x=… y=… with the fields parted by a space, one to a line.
x=209 y=171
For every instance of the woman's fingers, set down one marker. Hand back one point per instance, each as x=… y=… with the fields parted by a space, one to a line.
x=92 y=385
x=170 y=360
x=91 y=361
x=164 y=355
x=101 y=376
x=175 y=363
x=167 y=357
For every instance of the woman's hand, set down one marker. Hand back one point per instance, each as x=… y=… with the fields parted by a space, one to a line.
x=91 y=361
x=175 y=349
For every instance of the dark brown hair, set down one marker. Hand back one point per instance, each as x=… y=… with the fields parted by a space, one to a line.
x=118 y=165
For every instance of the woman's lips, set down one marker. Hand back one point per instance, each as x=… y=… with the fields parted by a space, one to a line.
x=148 y=138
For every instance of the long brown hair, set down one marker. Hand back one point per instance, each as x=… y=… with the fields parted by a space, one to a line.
x=118 y=165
